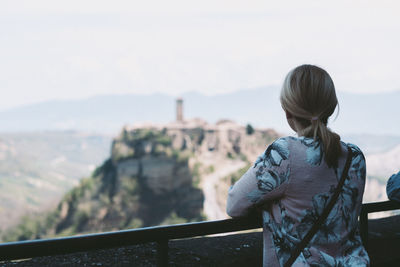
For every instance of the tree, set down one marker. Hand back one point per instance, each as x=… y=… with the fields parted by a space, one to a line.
x=249 y=129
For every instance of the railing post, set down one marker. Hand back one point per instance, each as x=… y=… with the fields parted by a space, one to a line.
x=162 y=253
x=364 y=226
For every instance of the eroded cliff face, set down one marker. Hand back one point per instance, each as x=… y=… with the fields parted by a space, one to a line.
x=155 y=175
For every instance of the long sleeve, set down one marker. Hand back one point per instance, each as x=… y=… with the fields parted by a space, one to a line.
x=393 y=187
x=265 y=181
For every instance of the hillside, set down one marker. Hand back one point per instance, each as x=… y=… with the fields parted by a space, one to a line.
x=155 y=175
x=380 y=166
x=36 y=169
x=160 y=174
x=384 y=164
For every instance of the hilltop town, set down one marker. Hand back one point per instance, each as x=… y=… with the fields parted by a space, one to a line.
x=156 y=174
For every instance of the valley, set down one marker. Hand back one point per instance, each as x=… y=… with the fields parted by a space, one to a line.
x=50 y=185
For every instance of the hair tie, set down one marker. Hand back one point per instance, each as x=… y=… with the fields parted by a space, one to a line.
x=314 y=118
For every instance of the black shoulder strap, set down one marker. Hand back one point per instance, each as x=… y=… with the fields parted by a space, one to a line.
x=300 y=246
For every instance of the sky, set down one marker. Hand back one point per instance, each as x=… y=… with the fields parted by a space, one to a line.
x=77 y=49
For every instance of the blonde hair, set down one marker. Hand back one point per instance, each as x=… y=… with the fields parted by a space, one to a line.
x=308 y=93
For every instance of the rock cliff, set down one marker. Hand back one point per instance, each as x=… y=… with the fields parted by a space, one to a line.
x=156 y=175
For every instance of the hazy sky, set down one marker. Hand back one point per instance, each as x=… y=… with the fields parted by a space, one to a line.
x=74 y=49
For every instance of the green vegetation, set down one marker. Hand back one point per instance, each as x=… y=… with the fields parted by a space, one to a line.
x=243 y=157
x=163 y=140
x=141 y=135
x=124 y=192
x=108 y=201
x=103 y=168
x=240 y=156
x=236 y=176
x=181 y=156
x=249 y=129
x=210 y=169
x=137 y=143
x=27 y=229
x=173 y=218
x=196 y=174
x=134 y=223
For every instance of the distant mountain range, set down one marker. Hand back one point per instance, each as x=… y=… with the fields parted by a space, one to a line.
x=376 y=114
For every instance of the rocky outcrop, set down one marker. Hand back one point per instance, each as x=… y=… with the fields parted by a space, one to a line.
x=145 y=182
x=225 y=138
x=153 y=176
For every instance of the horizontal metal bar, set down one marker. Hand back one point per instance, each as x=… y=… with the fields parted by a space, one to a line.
x=64 y=245
x=370 y=208
x=380 y=206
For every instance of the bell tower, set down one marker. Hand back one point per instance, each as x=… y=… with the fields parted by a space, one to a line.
x=179 y=109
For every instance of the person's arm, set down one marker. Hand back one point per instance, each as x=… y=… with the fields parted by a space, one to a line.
x=262 y=183
x=393 y=187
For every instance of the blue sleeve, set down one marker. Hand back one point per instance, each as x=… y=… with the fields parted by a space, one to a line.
x=393 y=187
x=263 y=182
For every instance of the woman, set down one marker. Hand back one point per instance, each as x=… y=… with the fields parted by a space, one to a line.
x=293 y=180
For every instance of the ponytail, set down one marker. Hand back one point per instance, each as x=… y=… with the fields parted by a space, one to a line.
x=330 y=141
x=309 y=94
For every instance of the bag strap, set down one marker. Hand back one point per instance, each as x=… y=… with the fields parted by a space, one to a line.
x=300 y=246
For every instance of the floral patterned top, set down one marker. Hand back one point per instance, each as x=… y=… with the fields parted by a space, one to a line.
x=291 y=183
x=393 y=187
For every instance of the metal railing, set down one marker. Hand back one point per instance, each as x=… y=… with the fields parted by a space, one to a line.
x=159 y=234
x=371 y=208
